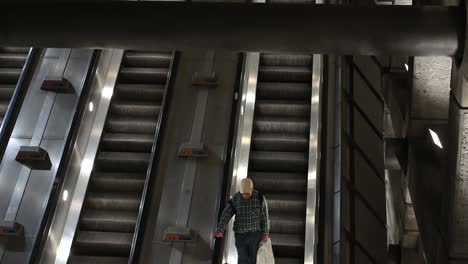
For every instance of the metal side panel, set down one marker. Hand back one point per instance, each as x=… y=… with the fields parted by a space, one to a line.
x=243 y=140
x=58 y=241
x=57 y=225
x=310 y=254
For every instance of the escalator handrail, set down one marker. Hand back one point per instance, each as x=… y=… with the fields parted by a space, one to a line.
x=68 y=148
x=17 y=99
x=154 y=157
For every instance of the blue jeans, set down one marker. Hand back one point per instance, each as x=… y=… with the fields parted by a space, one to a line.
x=247 y=245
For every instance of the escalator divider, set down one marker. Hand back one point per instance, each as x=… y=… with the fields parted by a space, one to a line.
x=67 y=152
x=17 y=99
x=154 y=158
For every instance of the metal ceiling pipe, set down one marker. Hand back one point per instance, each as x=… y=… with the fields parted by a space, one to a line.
x=375 y=30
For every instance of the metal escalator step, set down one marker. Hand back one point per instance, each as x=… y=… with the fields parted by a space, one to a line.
x=4 y=107
x=283 y=91
x=289 y=261
x=13 y=60
x=122 y=161
x=281 y=125
x=291 y=203
x=269 y=161
x=7 y=91
x=147 y=59
x=282 y=108
x=284 y=74
x=280 y=59
x=137 y=109
x=103 y=243
x=279 y=142
x=150 y=92
x=288 y=245
x=131 y=125
x=108 y=221
x=14 y=49
x=279 y=182
x=287 y=224
x=117 y=181
x=113 y=201
x=127 y=142
x=9 y=75
x=96 y=260
x=143 y=75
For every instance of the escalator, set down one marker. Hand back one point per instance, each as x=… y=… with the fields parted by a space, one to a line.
x=278 y=162
x=106 y=228
x=12 y=61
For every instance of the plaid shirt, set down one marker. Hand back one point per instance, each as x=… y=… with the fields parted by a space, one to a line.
x=249 y=216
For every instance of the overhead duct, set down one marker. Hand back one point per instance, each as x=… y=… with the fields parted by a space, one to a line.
x=372 y=30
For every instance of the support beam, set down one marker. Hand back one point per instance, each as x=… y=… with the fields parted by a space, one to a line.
x=376 y=30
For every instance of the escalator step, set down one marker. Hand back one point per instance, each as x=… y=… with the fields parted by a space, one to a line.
x=137 y=109
x=143 y=75
x=113 y=201
x=13 y=60
x=278 y=161
x=123 y=161
x=291 y=203
x=131 y=125
x=282 y=108
x=283 y=91
x=9 y=75
x=279 y=142
x=281 y=125
x=284 y=74
x=280 y=59
x=149 y=92
x=108 y=221
x=127 y=142
x=117 y=181
x=279 y=182
x=103 y=243
x=147 y=59
x=6 y=92
x=289 y=261
x=287 y=224
x=14 y=49
x=96 y=260
x=288 y=245
x=4 y=107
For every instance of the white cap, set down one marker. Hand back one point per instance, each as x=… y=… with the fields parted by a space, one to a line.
x=246 y=186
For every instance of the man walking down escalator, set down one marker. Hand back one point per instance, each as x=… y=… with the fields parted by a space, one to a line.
x=252 y=223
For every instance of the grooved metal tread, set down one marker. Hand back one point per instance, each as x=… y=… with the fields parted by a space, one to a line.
x=278 y=161
x=110 y=211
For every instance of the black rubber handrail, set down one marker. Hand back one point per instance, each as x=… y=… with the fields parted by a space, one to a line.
x=68 y=148
x=155 y=154
x=17 y=99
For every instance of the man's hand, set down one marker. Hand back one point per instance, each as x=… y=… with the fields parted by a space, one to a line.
x=264 y=237
x=219 y=234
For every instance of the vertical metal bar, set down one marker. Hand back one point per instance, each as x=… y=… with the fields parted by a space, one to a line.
x=244 y=134
x=310 y=253
x=73 y=215
x=36 y=140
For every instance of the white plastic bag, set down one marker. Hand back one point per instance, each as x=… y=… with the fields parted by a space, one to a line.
x=265 y=253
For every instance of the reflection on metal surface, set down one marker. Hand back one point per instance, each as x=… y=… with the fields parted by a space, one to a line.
x=244 y=134
x=314 y=157
x=435 y=139
x=36 y=140
x=65 y=195
x=88 y=161
x=91 y=106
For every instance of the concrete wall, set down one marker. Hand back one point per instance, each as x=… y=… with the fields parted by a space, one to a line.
x=362 y=234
